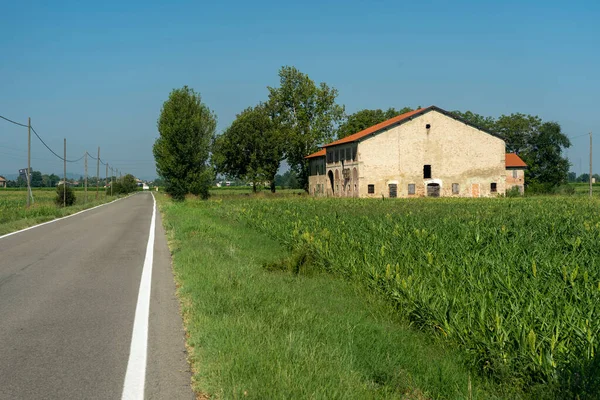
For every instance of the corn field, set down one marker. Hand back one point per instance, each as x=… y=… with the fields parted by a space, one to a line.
x=515 y=283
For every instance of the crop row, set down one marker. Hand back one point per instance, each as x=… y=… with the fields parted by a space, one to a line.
x=514 y=282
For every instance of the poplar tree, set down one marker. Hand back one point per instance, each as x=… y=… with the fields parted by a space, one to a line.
x=186 y=126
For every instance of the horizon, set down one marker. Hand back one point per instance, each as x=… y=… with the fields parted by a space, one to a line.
x=98 y=74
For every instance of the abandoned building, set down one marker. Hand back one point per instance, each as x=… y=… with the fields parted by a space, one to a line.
x=426 y=152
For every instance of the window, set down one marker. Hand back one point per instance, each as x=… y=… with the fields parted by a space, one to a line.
x=393 y=190
x=515 y=173
x=455 y=188
x=411 y=188
x=337 y=155
x=348 y=154
x=353 y=153
x=371 y=189
x=493 y=187
x=427 y=172
x=330 y=156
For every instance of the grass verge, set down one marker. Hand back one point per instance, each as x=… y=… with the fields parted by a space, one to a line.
x=254 y=333
x=21 y=218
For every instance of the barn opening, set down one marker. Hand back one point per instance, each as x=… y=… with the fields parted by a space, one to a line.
x=433 y=190
x=330 y=175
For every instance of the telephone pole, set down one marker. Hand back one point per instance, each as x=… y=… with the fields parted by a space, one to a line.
x=98 y=173
x=86 y=175
x=106 y=180
x=65 y=175
x=112 y=172
x=28 y=162
x=590 y=164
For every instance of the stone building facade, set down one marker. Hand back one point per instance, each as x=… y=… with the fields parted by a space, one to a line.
x=426 y=152
x=515 y=172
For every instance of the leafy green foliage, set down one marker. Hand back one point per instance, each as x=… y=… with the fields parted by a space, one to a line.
x=306 y=113
x=262 y=335
x=514 y=282
x=124 y=185
x=251 y=149
x=187 y=127
x=288 y=180
x=364 y=119
x=64 y=193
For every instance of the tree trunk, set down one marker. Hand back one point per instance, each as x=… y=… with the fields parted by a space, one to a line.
x=273 y=186
x=254 y=187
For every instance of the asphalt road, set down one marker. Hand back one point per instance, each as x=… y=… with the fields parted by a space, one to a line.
x=68 y=295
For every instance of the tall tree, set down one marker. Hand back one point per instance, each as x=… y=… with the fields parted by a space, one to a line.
x=487 y=123
x=186 y=127
x=251 y=148
x=364 y=119
x=518 y=131
x=307 y=114
x=543 y=155
x=36 y=179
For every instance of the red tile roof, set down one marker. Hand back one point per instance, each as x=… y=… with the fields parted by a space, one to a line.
x=359 y=135
x=514 y=161
x=320 y=153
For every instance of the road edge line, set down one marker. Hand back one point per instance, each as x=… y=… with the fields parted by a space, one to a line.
x=135 y=376
x=61 y=218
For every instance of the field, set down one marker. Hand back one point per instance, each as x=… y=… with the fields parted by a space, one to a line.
x=14 y=215
x=513 y=283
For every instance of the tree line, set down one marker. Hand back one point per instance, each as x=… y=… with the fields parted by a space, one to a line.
x=295 y=119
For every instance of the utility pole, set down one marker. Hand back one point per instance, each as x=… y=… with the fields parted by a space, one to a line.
x=28 y=162
x=590 y=164
x=65 y=175
x=86 y=175
x=106 y=180
x=112 y=172
x=98 y=173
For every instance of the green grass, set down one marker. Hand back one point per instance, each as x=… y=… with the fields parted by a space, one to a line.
x=229 y=191
x=261 y=334
x=15 y=216
x=514 y=283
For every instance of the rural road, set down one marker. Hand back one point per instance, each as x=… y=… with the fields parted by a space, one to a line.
x=68 y=299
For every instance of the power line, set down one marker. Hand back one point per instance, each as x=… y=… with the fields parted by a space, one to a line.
x=575 y=137
x=48 y=147
x=52 y=151
x=11 y=121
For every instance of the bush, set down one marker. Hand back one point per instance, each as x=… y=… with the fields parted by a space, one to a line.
x=124 y=185
x=513 y=192
x=564 y=189
x=63 y=193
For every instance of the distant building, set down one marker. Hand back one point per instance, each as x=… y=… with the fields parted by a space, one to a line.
x=2 y=182
x=515 y=172
x=425 y=152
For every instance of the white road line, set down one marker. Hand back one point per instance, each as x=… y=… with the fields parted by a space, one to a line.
x=135 y=377
x=59 y=219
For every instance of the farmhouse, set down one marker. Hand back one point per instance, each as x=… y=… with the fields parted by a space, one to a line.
x=2 y=182
x=426 y=152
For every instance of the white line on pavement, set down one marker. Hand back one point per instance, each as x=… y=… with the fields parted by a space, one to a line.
x=135 y=377
x=61 y=218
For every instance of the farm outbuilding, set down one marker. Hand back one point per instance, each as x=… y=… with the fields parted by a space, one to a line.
x=425 y=152
x=2 y=182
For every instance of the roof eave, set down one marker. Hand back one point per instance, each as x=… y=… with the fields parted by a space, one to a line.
x=416 y=115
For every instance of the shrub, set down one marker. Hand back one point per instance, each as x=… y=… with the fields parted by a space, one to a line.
x=513 y=192
x=63 y=194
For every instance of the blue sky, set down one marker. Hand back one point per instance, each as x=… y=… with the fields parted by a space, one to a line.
x=97 y=73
